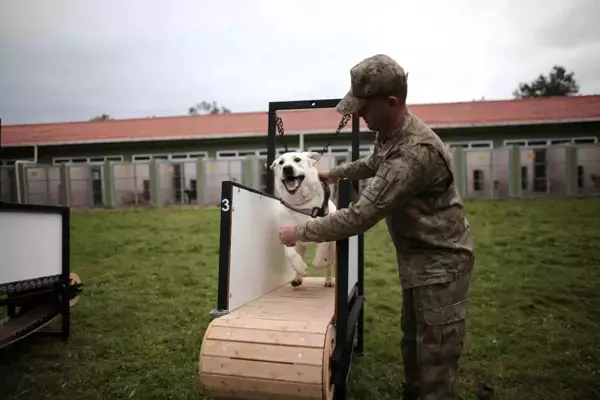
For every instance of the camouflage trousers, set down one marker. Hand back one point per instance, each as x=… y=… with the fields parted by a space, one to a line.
x=434 y=326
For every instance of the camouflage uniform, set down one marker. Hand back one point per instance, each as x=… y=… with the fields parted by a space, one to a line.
x=412 y=187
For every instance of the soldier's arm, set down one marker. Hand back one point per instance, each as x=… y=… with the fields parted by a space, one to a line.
x=400 y=177
x=363 y=168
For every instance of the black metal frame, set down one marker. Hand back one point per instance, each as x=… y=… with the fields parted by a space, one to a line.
x=276 y=106
x=56 y=285
x=349 y=314
x=225 y=246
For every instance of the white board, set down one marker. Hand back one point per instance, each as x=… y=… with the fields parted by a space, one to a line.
x=257 y=258
x=352 y=263
x=30 y=245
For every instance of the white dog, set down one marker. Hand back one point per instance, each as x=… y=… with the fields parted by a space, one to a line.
x=298 y=185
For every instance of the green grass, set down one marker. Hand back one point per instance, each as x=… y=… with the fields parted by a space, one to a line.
x=151 y=279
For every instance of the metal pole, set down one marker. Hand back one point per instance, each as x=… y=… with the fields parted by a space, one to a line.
x=271 y=142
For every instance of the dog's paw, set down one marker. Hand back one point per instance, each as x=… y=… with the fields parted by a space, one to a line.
x=298 y=265
x=301 y=270
x=329 y=281
x=297 y=281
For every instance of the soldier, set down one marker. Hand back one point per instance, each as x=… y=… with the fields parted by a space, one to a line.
x=412 y=187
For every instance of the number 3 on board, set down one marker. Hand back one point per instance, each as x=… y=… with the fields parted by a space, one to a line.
x=225 y=205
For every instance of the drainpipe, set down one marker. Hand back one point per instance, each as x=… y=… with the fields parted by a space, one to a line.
x=302 y=142
x=23 y=162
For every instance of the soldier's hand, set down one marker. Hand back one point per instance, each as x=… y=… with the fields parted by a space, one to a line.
x=325 y=176
x=287 y=235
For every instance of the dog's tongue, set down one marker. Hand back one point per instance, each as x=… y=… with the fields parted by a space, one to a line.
x=291 y=183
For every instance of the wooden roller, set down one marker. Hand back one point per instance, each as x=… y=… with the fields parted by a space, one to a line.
x=274 y=348
x=75 y=279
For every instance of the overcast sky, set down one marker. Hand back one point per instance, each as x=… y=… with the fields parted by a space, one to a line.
x=65 y=60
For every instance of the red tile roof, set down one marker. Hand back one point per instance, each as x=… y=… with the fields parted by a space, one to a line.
x=479 y=113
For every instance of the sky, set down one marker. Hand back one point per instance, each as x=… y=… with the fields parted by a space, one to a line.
x=71 y=60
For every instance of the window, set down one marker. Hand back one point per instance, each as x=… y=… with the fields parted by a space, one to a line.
x=331 y=149
x=524 y=178
x=146 y=189
x=475 y=144
x=551 y=142
x=263 y=152
x=340 y=149
x=188 y=156
x=481 y=145
x=588 y=140
x=228 y=154
x=170 y=156
x=83 y=160
x=580 y=177
x=537 y=143
x=197 y=155
x=477 y=180
x=540 y=156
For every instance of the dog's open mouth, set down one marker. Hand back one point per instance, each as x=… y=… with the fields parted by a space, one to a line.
x=292 y=183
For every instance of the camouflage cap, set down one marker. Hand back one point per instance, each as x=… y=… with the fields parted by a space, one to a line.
x=374 y=76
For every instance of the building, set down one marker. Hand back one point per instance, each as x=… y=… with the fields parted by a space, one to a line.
x=483 y=129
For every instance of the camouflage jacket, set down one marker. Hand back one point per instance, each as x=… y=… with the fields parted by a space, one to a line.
x=412 y=187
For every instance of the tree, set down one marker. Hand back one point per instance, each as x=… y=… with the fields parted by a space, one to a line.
x=103 y=117
x=558 y=83
x=208 y=108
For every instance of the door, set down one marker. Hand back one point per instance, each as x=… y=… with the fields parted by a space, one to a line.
x=540 y=171
x=178 y=183
x=97 y=199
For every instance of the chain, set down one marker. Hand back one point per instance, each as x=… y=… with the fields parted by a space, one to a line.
x=279 y=123
x=342 y=125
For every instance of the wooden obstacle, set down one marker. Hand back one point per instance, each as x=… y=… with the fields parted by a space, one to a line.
x=269 y=340
x=275 y=347
x=36 y=284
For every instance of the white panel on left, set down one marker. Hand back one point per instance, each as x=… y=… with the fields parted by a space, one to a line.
x=30 y=245
x=352 y=263
x=257 y=257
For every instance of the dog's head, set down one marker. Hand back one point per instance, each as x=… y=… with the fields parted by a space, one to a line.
x=294 y=171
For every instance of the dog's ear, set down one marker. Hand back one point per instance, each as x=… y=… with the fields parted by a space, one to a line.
x=313 y=155
x=272 y=167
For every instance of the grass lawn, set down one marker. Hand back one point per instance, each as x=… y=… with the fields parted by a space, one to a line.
x=151 y=279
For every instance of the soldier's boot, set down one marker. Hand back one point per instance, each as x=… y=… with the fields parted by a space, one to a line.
x=485 y=392
x=410 y=392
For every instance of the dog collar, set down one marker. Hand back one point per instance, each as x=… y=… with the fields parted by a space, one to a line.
x=315 y=211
